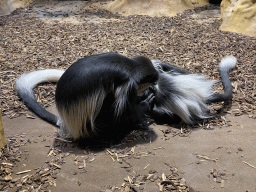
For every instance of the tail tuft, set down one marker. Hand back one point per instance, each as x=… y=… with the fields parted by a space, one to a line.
x=227 y=63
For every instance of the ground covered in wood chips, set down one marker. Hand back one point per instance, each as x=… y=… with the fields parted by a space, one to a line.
x=216 y=155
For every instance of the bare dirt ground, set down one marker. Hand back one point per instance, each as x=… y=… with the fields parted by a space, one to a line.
x=216 y=155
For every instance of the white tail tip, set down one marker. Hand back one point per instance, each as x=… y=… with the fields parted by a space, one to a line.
x=228 y=62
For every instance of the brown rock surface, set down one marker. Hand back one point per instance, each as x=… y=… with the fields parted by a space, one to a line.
x=7 y=6
x=151 y=8
x=239 y=16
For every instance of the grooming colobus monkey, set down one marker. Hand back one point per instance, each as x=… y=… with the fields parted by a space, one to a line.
x=94 y=94
x=187 y=95
x=104 y=90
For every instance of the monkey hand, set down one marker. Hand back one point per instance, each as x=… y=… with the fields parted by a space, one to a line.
x=147 y=104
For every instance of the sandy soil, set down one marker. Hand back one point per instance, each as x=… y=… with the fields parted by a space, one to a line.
x=211 y=158
x=220 y=159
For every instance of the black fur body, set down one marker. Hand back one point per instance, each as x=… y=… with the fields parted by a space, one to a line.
x=94 y=94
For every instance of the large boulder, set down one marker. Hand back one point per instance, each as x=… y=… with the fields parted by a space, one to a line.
x=125 y=7
x=239 y=16
x=149 y=7
x=7 y=6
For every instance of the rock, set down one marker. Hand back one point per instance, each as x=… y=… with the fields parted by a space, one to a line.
x=183 y=181
x=8 y=178
x=151 y=8
x=7 y=6
x=239 y=16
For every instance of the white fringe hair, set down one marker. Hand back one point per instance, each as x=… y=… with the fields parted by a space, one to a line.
x=188 y=96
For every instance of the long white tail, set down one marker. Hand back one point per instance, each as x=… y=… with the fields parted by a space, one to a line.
x=226 y=64
x=28 y=81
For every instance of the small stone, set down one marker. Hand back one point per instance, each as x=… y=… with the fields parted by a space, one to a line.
x=152 y=171
x=126 y=179
x=19 y=185
x=8 y=178
x=15 y=180
x=183 y=181
x=11 y=185
x=222 y=183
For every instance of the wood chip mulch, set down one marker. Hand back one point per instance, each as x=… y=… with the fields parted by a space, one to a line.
x=39 y=179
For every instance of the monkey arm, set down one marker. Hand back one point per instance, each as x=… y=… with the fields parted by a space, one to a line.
x=147 y=104
x=173 y=69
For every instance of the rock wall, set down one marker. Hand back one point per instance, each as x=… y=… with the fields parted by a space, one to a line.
x=7 y=6
x=239 y=16
x=149 y=7
x=125 y=7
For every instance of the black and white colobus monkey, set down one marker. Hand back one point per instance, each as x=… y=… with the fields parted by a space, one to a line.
x=104 y=90
x=187 y=95
x=94 y=93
